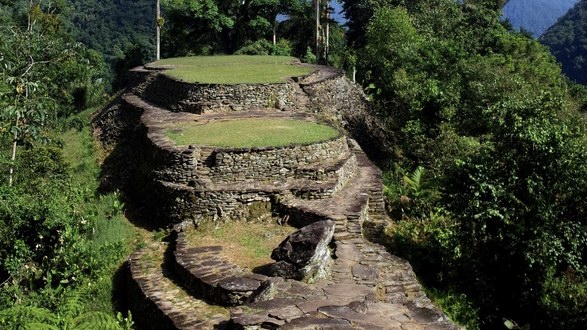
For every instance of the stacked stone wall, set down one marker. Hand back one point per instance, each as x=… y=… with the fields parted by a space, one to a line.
x=139 y=78
x=271 y=164
x=340 y=101
x=170 y=163
x=175 y=203
x=180 y=96
x=231 y=165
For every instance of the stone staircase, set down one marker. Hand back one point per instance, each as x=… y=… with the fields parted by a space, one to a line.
x=178 y=286
x=158 y=302
x=369 y=288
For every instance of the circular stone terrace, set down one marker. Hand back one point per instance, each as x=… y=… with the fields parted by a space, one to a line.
x=250 y=132
x=230 y=70
x=239 y=155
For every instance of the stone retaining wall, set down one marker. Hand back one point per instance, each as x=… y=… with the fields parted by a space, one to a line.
x=175 y=203
x=270 y=164
x=179 y=96
x=139 y=78
x=343 y=103
x=184 y=165
x=170 y=163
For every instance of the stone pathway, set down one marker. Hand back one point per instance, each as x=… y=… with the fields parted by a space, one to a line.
x=369 y=288
x=183 y=287
x=160 y=301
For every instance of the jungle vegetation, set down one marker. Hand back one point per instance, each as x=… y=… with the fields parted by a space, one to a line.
x=486 y=186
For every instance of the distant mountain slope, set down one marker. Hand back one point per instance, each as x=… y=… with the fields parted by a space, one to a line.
x=567 y=40
x=536 y=15
x=109 y=26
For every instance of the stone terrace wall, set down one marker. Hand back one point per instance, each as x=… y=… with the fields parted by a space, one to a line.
x=180 y=96
x=270 y=164
x=173 y=167
x=184 y=165
x=160 y=158
x=342 y=102
x=169 y=163
x=174 y=203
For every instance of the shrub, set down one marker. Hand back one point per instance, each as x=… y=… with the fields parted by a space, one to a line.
x=259 y=47
x=264 y=47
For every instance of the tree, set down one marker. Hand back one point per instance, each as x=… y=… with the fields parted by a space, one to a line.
x=221 y=26
x=299 y=27
x=358 y=14
x=195 y=27
x=41 y=70
x=487 y=113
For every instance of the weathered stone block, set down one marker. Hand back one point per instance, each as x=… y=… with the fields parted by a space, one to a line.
x=305 y=255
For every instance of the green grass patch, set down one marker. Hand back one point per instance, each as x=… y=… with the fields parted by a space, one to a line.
x=112 y=233
x=253 y=132
x=233 y=69
x=246 y=244
x=458 y=307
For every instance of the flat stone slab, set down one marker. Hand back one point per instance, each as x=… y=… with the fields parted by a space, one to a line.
x=365 y=273
x=239 y=284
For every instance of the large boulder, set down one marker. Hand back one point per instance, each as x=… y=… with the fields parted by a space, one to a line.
x=304 y=255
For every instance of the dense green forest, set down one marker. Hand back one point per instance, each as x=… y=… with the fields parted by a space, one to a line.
x=113 y=26
x=486 y=185
x=567 y=40
x=535 y=16
x=123 y=31
x=61 y=243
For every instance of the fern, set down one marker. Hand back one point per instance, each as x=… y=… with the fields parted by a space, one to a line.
x=40 y=326
x=414 y=181
x=24 y=317
x=69 y=316
x=96 y=320
x=71 y=306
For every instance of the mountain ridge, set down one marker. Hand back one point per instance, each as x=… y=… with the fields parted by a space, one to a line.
x=536 y=16
x=567 y=41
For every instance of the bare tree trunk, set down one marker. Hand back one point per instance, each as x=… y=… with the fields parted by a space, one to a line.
x=317 y=31
x=29 y=21
x=327 y=48
x=274 y=33
x=158 y=32
x=13 y=158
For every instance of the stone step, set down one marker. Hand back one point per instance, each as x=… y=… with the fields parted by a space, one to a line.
x=207 y=274
x=365 y=293
x=157 y=302
x=352 y=201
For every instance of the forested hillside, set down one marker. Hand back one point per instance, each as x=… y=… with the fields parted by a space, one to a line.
x=536 y=16
x=489 y=176
x=567 y=40
x=61 y=242
x=112 y=26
